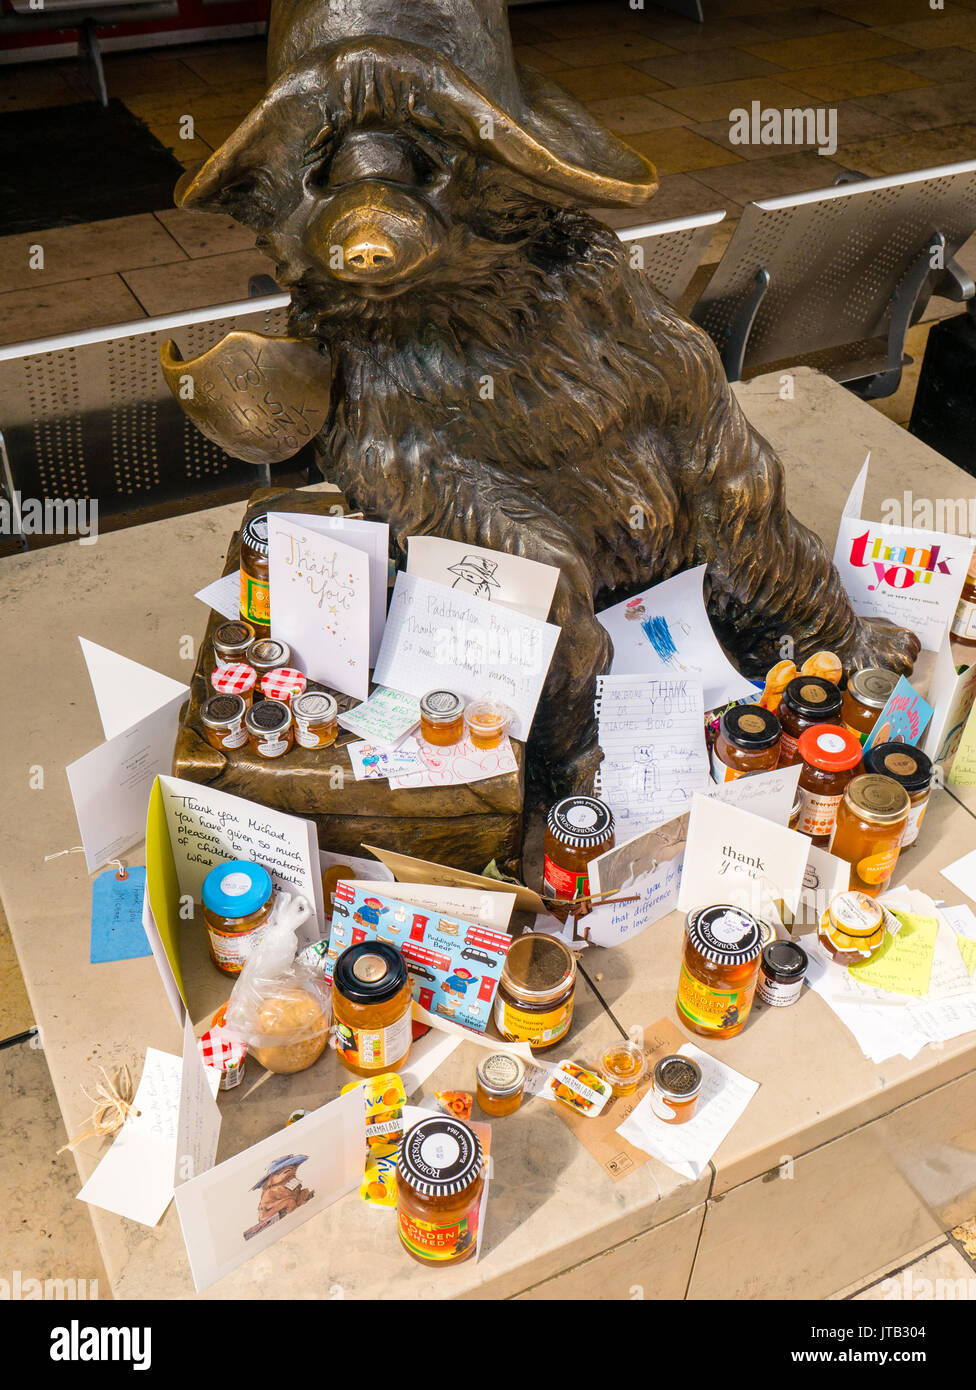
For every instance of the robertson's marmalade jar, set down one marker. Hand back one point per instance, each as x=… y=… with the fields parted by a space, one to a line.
x=440 y=1179
x=865 y=697
x=371 y=1005
x=870 y=824
x=964 y=623
x=807 y=701
x=222 y=717
x=748 y=741
x=578 y=829
x=536 y=990
x=255 y=592
x=831 y=756
x=719 y=970
x=911 y=769
x=237 y=900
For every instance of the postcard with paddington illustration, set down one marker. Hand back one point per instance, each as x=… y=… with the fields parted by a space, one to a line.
x=454 y=963
x=903 y=719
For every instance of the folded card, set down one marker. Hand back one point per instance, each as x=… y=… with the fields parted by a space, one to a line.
x=385 y=719
x=952 y=694
x=509 y=580
x=733 y=856
x=903 y=718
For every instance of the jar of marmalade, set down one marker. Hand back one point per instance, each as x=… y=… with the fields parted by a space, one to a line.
x=268 y=654
x=870 y=824
x=852 y=928
x=371 y=1005
x=578 y=829
x=282 y=683
x=231 y=641
x=675 y=1088
x=316 y=719
x=269 y=729
x=782 y=968
x=865 y=697
x=911 y=769
x=488 y=722
x=807 y=701
x=831 y=756
x=719 y=970
x=536 y=990
x=500 y=1083
x=442 y=718
x=748 y=741
x=236 y=678
x=255 y=591
x=440 y=1179
x=963 y=627
x=237 y=900
x=222 y=717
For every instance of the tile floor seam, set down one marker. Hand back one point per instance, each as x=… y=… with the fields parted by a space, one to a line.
x=892 y=1273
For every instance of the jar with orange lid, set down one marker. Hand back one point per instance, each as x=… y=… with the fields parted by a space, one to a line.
x=748 y=741
x=238 y=897
x=852 y=928
x=488 y=722
x=236 y=678
x=222 y=717
x=578 y=829
x=255 y=604
x=270 y=731
x=440 y=1181
x=807 y=701
x=719 y=970
x=316 y=717
x=371 y=1004
x=536 y=991
x=911 y=769
x=675 y=1088
x=865 y=697
x=622 y=1066
x=870 y=824
x=442 y=718
x=963 y=626
x=231 y=641
x=500 y=1085
x=831 y=756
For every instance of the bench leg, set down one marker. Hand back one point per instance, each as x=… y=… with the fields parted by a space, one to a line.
x=91 y=60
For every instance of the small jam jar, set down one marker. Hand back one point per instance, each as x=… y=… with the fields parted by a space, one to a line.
x=500 y=1083
x=622 y=1067
x=807 y=701
x=748 y=741
x=911 y=769
x=831 y=756
x=255 y=604
x=782 y=967
x=871 y=821
x=719 y=970
x=237 y=678
x=865 y=697
x=536 y=990
x=283 y=683
x=268 y=654
x=316 y=720
x=231 y=641
x=852 y=928
x=488 y=722
x=222 y=716
x=270 y=731
x=237 y=900
x=440 y=1180
x=372 y=1007
x=442 y=718
x=675 y=1088
x=226 y=1054
x=578 y=829
x=963 y=627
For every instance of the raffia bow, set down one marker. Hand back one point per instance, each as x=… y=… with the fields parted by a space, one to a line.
x=113 y=1106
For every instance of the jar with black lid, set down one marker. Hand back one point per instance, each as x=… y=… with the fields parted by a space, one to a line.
x=270 y=730
x=748 y=741
x=372 y=1007
x=807 y=700
x=231 y=641
x=911 y=769
x=782 y=968
x=255 y=602
x=440 y=1181
x=222 y=716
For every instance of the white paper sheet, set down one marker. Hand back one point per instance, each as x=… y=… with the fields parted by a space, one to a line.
x=657 y=894
x=688 y=1147
x=436 y=636
x=455 y=766
x=385 y=719
x=735 y=857
x=223 y=595
x=767 y=794
x=962 y=873
x=126 y=692
x=198 y=1122
x=665 y=632
x=525 y=585
x=320 y=603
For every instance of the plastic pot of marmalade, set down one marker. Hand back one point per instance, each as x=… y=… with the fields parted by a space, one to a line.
x=440 y=1180
x=871 y=821
x=371 y=1005
x=718 y=976
x=911 y=769
x=536 y=991
x=865 y=697
x=255 y=604
x=748 y=741
x=807 y=701
x=831 y=756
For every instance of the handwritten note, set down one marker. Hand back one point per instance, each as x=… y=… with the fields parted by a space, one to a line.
x=385 y=719
x=952 y=695
x=903 y=965
x=198 y=1125
x=495 y=575
x=437 y=636
x=117 y=932
x=767 y=794
x=371 y=763
x=451 y=767
x=963 y=772
x=653 y=740
x=656 y=892
x=320 y=604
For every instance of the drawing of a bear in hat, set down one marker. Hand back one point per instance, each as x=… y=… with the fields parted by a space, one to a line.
x=281 y=1192
x=497 y=371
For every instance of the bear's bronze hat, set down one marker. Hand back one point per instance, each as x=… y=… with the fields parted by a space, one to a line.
x=446 y=66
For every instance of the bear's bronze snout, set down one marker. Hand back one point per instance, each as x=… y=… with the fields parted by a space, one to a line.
x=371 y=234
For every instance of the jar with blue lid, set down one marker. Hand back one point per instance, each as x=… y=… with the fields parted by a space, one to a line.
x=238 y=897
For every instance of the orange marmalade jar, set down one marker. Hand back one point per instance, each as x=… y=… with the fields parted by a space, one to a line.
x=255 y=602
x=718 y=976
x=871 y=821
x=831 y=756
x=371 y=1005
x=748 y=741
x=675 y=1088
x=852 y=928
x=440 y=1180
x=807 y=700
x=500 y=1083
x=442 y=718
x=865 y=697
x=578 y=829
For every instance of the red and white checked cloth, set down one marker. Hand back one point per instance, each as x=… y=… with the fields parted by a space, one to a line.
x=282 y=683
x=236 y=678
x=219 y=1050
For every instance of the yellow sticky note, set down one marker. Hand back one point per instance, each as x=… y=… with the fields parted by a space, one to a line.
x=162 y=883
x=967 y=949
x=963 y=771
x=903 y=965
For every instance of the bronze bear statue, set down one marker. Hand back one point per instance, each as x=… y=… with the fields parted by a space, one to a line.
x=497 y=371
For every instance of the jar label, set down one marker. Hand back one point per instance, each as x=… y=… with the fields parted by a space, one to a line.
x=876 y=868
x=715 y=1009
x=563 y=883
x=433 y=1241
x=375 y=1048
x=912 y=825
x=305 y=736
x=231 y=949
x=255 y=600
x=721 y=772
x=235 y=737
x=817 y=813
x=661 y=1108
x=964 y=623
x=778 y=993
x=787 y=747
x=519 y=1025
x=272 y=747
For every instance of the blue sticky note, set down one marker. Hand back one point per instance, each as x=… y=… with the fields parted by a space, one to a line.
x=117 y=932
